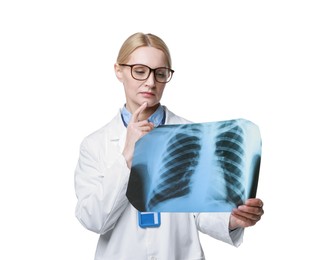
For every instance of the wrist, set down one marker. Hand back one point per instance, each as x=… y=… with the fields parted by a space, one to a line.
x=127 y=158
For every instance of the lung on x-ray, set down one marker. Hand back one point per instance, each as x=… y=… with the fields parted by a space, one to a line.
x=199 y=167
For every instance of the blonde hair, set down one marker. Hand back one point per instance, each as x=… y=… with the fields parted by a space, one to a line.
x=138 y=40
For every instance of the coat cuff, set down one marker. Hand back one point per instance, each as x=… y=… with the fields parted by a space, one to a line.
x=216 y=225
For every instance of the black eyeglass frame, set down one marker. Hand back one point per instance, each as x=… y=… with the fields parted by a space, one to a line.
x=150 y=70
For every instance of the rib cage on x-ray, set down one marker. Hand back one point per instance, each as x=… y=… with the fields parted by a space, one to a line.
x=195 y=167
x=229 y=151
x=178 y=165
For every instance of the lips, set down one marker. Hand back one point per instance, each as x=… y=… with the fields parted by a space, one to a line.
x=147 y=94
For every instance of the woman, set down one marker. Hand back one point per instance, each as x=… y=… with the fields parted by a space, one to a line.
x=144 y=68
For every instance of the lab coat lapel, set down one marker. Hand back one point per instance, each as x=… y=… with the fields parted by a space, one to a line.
x=117 y=133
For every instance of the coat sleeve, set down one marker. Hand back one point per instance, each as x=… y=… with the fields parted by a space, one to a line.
x=100 y=188
x=216 y=225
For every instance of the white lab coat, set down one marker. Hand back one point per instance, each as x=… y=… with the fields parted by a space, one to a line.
x=101 y=179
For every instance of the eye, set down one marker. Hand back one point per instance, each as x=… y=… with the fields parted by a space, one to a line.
x=162 y=73
x=139 y=70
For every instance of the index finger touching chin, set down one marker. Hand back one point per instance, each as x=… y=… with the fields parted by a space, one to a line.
x=137 y=112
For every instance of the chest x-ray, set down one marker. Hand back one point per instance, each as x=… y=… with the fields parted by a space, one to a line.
x=201 y=167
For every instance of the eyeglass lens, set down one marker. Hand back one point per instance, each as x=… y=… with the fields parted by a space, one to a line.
x=141 y=72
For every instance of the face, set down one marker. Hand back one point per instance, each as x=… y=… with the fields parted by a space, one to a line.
x=137 y=92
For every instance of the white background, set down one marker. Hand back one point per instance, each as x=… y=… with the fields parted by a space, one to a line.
x=259 y=60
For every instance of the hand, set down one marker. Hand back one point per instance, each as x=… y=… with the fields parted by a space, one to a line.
x=246 y=215
x=135 y=130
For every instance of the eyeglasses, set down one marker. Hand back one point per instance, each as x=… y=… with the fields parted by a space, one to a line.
x=142 y=72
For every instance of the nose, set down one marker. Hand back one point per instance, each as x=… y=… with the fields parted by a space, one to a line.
x=151 y=82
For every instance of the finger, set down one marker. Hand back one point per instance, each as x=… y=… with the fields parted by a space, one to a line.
x=254 y=203
x=253 y=213
x=144 y=123
x=249 y=211
x=146 y=128
x=137 y=112
x=245 y=221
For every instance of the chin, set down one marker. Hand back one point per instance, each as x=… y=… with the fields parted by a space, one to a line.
x=153 y=104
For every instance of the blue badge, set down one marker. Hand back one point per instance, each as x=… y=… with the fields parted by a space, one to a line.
x=149 y=219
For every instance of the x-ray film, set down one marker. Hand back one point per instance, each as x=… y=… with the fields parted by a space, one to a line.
x=200 y=167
